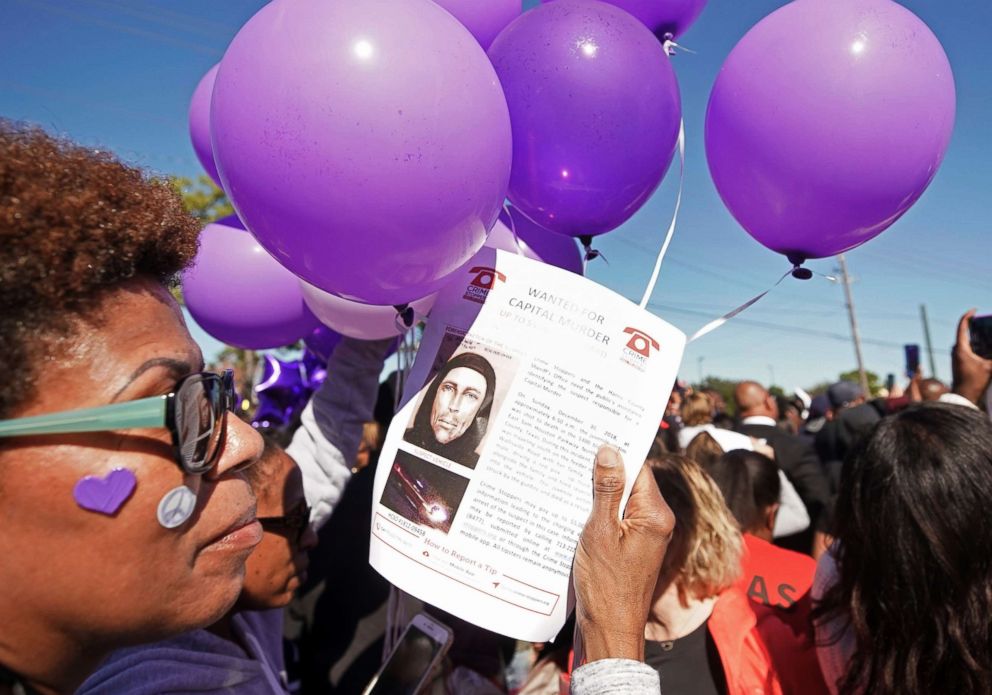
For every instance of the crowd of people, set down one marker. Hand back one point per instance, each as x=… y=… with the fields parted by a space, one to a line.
x=152 y=542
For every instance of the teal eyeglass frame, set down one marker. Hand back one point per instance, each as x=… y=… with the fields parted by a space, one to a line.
x=155 y=411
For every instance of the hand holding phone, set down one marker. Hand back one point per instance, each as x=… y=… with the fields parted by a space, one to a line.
x=411 y=663
x=972 y=372
x=912 y=360
x=980 y=330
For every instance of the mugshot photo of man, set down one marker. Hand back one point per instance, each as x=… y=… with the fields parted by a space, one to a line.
x=454 y=414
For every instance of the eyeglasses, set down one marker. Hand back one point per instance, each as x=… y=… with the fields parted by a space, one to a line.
x=294 y=524
x=195 y=413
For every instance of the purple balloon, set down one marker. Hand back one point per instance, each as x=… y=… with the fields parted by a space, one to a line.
x=365 y=143
x=240 y=295
x=827 y=122
x=484 y=18
x=199 y=123
x=322 y=341
x=537 y=242
x=595 y=111
x=668 y=19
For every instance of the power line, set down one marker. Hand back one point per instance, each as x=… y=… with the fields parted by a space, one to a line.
x=59 y=95
x=952 y=274
x=169 y=18
x=796 y=330
x=123 y=28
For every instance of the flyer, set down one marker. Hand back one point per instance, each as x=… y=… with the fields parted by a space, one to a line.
x=484 y=481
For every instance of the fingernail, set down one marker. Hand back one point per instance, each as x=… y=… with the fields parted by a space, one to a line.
x=607 y=456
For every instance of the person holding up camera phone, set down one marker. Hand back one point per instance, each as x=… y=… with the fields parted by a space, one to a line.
x=971 y=361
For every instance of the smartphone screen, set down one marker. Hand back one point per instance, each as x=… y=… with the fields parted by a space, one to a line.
x=981 y=336
x=912 y=360
x=408 y=664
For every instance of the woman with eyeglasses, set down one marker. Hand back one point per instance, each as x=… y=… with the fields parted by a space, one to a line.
x=296 y=491
x=124 y=513
x=242 y=652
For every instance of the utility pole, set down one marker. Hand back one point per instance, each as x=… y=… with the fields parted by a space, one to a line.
x=926 y=336
x=856 y=337
x=699 y=363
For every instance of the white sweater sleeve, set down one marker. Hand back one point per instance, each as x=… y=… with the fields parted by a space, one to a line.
x=792 y=515
x=325 y=445
x=615 y=677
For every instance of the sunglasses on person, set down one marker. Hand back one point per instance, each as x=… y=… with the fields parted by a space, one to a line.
x=195 y=413
x=292 y=525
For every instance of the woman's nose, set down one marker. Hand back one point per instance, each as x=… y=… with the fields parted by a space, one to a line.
x=242 y=447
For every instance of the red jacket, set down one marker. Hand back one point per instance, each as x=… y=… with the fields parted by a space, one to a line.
x=774 y=576
x=765 y=650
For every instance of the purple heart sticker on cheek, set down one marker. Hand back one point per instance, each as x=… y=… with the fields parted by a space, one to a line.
x=105 y=495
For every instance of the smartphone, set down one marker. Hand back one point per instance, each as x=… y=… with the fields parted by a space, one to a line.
x=890 y=382
x=912 y=360
x=410 y=665
x=981 y=336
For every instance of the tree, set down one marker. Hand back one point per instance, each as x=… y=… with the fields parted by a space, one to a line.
x=245 y=365
x=725 y=387
x=207 y=202
x=204 y=200
x=874 y=383
x=202 y=197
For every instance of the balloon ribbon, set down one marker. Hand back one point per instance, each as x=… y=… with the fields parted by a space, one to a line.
x=796 y=271
x=649 y=290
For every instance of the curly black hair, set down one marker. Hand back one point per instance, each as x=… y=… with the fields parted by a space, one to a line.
x=74 y=222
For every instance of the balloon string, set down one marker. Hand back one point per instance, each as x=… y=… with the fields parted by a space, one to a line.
x=405 y=317
x=513 y=229
x=590 y=254
x=649 y=290
x=671 y=47
x=796 y=272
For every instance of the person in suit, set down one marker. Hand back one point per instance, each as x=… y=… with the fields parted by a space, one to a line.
x=759 y=416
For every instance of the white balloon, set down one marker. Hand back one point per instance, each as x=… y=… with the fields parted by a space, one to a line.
x=357 y=320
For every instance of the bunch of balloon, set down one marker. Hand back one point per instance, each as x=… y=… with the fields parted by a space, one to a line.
x=827 y=122
x=367 y=144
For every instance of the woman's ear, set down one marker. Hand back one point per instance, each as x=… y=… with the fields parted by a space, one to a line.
x=771 y=512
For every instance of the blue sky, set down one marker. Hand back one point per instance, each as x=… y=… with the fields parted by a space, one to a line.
x=119 y=73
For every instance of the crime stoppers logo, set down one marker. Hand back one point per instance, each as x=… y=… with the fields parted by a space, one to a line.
x=638 y=348
x=483 y=280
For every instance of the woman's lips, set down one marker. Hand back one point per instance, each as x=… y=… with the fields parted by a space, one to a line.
x=244 y=534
